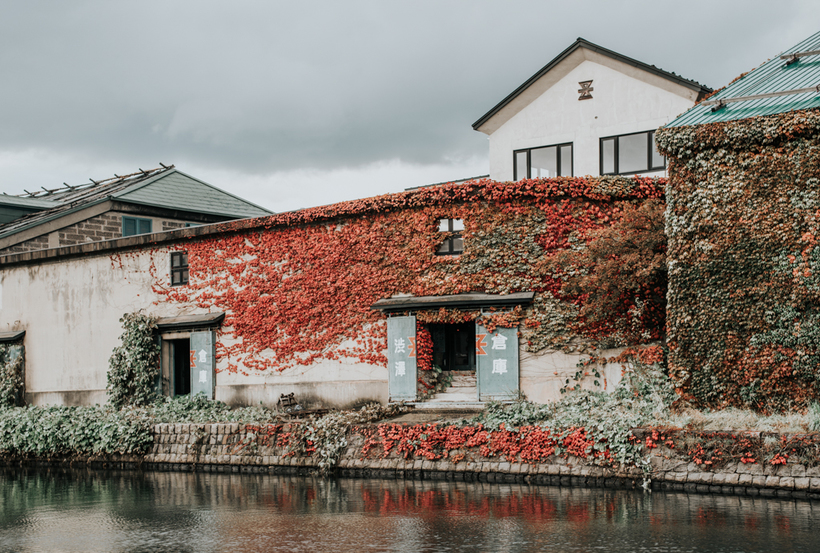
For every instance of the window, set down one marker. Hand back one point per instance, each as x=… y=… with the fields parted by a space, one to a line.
x=454 y=243
x=546 y=162
x=630 y=153
x=135 y=225
x=179 y=268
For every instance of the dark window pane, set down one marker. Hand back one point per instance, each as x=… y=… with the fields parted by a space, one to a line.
x=544 y=162
x=608 y=147
x=445 y=246
x=129 y=227
x=185 y=276
x=520 y=166
x=458 y=244
x=632 y=153
x=566 y=161
x=658 y=161
x=145 y=226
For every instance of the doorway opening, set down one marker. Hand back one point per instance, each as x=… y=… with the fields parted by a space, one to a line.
x=453 y=346
x=180 y=367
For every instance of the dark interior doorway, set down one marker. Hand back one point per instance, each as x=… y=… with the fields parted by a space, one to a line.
x=454 y=346
x=181 y=370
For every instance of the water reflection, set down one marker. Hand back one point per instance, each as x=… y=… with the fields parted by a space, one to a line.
x=98 y=511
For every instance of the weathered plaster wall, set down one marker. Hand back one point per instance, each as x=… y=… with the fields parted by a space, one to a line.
x=621 y=103
x=70 y=311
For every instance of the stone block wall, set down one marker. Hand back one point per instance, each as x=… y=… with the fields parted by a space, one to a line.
x=235 y=447
x=226 y=447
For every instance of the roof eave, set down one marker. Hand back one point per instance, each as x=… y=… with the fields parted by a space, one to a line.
x=594 y=48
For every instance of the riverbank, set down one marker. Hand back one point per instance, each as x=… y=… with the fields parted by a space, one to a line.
x=421 y=451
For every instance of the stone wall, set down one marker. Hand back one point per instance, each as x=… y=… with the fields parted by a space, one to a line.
x=235 y=447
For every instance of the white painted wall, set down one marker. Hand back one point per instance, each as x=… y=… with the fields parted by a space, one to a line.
x=71 y=309
x=624 y=100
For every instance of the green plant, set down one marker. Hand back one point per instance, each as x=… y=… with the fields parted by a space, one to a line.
x=197 y=409
x=134 y=365
x=12 y=361
x=48 y=431
x=326 y=436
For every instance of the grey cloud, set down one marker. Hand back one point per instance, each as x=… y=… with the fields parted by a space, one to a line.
x=266 y=86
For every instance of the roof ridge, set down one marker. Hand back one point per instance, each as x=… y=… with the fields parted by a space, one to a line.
x=583 y=43
x=45 y=192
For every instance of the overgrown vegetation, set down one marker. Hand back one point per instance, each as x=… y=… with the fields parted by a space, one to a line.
x=12 y=361
x=133 y=368
x=51 y=431
x=620 y=275
x=743 y=224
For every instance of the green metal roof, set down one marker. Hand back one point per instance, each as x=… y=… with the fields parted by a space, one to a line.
x=774 y=76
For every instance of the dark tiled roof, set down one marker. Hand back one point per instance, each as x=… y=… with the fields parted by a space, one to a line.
x=178 y=191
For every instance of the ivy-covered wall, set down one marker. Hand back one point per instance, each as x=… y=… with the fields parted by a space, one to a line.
x=298 y=287
x=743 y=224
x=297 y=290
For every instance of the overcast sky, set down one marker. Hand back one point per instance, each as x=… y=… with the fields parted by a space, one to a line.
x=296 y=104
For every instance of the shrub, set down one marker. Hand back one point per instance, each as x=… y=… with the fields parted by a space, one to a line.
x=134 y=365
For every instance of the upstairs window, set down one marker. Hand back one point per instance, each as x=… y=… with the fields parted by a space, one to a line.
x=545 y=162
x=135 y=225
x=179 y=268
x=628 y=154
x=453 y=243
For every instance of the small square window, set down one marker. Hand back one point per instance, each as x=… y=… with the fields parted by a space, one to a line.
x=179 y=268
x=135 y=225
x=453 y=243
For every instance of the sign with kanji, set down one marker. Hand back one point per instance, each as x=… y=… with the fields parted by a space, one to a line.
x=401 y=358
x=202 y=363
x=496 y=355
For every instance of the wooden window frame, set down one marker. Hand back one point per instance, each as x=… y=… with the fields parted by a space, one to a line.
x=181 y=269
x=557 y=160
x=137 y=221
x=450 y=238
x=650 y=144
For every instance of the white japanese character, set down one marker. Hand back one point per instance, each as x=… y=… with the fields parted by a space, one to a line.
x=400 y=368
x=499 y=342
x=499 y=366
x=203 y=356
x=203 y=376
x=399 y=343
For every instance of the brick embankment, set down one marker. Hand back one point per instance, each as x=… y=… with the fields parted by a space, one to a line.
x=239 y=448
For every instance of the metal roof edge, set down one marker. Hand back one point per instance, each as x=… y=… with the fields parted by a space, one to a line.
x=579 y=43
x=234 y=216
x=54 y=217
x=474 y=299
x=11 y=336
x=21 y=201
x=200 y=320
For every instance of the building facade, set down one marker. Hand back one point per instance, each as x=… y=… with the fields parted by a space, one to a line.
x=340 y=304
x=590 y=111
x=148 y=201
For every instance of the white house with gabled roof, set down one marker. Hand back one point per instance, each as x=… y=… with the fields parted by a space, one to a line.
x=590 y=111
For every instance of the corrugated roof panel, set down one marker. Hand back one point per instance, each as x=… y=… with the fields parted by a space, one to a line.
x=772 y=76
x=179 y=191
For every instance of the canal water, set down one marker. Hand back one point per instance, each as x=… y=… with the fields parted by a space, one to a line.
x=88 y=511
